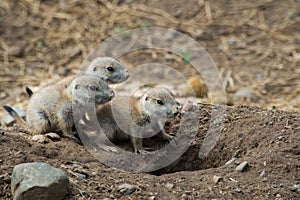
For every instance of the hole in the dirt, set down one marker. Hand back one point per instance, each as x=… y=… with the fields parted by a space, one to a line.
x=190 y=160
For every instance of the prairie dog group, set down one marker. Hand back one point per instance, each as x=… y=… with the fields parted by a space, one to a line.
x=133 y=118
x=151 y=109
x=50 y=109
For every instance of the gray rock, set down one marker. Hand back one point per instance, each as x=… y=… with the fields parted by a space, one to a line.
x=38 y=181
x=169 y=186
x=241 y=167
x=7 y=119
x=126 y=188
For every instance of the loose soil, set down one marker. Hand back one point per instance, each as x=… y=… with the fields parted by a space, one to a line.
x=255 y=45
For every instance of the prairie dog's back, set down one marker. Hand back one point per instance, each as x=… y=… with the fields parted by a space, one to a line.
x=116 y=114
x=45 y=105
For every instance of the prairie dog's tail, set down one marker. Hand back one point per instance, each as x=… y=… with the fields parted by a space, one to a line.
x=20 y=121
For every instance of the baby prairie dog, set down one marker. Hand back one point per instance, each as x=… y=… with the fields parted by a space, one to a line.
x=108 y=69
x=196 y=86
x=127 y=117
x=50 y=109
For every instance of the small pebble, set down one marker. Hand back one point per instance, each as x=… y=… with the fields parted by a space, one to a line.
x=241 y=167
x=278 y=195
x=39 y=138
x=238 y=190
x=295 y=188
x=126 y=188
x=263 y=174
x=169 y=186
x=280 y=185
x=217 y=179
x=280 y=137
x=230 y=161
x=80 y=176
x=75 y=165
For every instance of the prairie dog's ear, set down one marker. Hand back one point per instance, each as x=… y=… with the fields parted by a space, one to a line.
x=77 y=87
x=146 y=98
x=95 y=68
x=28 y=91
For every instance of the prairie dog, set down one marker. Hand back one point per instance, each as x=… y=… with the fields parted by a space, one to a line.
x=151 y=109
x=196 y=86
x=50 y=109
x=106 y=68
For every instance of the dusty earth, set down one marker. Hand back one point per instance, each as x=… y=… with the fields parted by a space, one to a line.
x=255 y=45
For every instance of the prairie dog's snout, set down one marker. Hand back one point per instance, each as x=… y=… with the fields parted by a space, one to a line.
x=176 y=109
x=92 y=88
x=106 y=95
x=160 y=103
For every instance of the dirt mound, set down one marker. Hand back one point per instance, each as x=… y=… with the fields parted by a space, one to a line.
x=267 y=139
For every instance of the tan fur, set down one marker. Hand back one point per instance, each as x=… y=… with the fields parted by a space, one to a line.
x=133 y=114
x=50 y=109
x=196 y=86
x=98 y=67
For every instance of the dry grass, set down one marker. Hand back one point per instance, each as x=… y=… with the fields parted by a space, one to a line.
x=43 y=40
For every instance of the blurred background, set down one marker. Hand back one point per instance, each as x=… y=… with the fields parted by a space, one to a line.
x=255 y=44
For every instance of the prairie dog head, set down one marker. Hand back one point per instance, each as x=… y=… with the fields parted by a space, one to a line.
x=159 y=102
x=87 y=88
x=108 y=69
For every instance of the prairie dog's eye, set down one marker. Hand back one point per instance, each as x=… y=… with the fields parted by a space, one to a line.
x=93 y=87
x=110 y=68
x=159 y=102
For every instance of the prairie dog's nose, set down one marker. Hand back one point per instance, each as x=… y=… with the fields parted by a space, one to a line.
x=176 y=109
x=126 y=74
